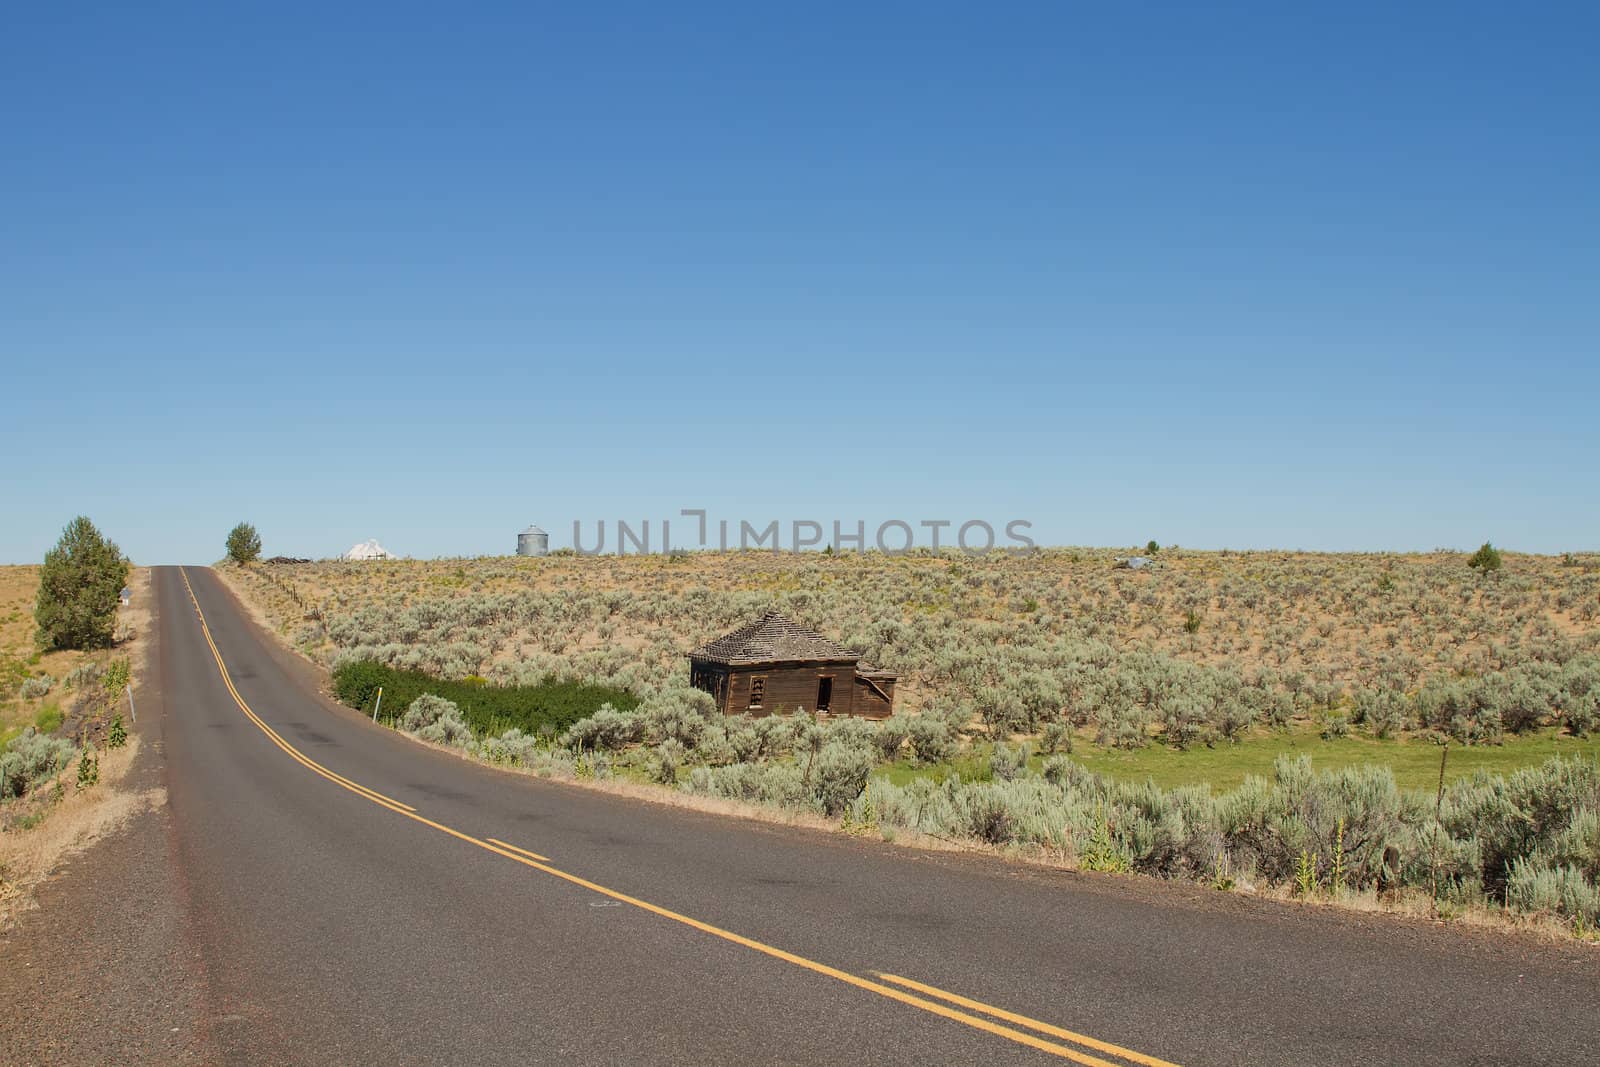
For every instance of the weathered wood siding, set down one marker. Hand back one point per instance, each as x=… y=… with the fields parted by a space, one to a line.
x=788 y=688
x=868 y=703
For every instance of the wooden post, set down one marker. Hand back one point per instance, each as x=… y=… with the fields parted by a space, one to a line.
x=1438 y=804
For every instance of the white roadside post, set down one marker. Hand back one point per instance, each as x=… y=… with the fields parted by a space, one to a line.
x=131 y=710
x=377 y=704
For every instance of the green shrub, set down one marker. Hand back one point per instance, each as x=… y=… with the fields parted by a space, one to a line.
x=891 y=736
x=244 y=544
x=433 y=718
x=1064 y=773
x=607 y=729
x=931 y=739
x=1006 y=762
x=80 y=586
x=1486 y=559
x=29 y=759
x=489 y=710
x=1581 y=714
x=763 y=783
x=88 y=770
x=680 y=714
x=117 y=735
x=839 y=775
x=1536 y=887
x=84 y=674
x=116 y=677
x=666 y=759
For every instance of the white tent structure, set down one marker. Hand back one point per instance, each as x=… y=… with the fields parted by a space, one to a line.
x=368 y=550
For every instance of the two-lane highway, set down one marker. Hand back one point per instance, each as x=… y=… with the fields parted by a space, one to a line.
x=356 y=898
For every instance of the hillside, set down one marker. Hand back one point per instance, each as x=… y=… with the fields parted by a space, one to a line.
x=1199 y=648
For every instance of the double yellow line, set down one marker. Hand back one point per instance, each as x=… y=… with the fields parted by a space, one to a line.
x=999 y=1022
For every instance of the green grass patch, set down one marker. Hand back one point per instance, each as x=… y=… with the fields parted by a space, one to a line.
x=1415 y=762
x=490 y=710
x=49 y=719
x=971 y=765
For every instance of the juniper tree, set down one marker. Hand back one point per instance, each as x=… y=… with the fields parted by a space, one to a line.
x=244 y=544
x=79 y=587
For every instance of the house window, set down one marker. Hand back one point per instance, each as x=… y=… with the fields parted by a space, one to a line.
x=824 y=693
x=758 y=690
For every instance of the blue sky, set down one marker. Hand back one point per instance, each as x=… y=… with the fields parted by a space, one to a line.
x=1227 y=276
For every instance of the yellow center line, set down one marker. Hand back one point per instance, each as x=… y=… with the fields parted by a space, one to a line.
x=531 y=859
x=514 y=848
x=1033 y=1024
x=277 y=739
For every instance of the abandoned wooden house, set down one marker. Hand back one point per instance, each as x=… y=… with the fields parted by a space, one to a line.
x=775 y=665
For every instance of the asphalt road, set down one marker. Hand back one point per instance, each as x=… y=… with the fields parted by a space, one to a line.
x=348 y=896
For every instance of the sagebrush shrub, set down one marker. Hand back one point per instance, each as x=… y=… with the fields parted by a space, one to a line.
x=36 y=687
x=29 y=759
x=767 y=783
x=607 y=729
x=425 y=710
x=839 y=774
x=1006 y=762
x=667 y=758
x=1533 y=886
x=891 y=737
x=679 y=714
x=85 y=673
x=436 y=719
x=931 y=739
x=1056 y=737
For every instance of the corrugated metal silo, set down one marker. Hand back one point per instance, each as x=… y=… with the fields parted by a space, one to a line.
x=533 y=542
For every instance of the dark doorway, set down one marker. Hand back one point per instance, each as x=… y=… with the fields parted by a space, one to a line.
x=824 y=693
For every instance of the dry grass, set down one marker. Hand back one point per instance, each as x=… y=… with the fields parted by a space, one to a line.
x=1293 y=611
x=56 y=819
x=67 y=826
x=19 y=587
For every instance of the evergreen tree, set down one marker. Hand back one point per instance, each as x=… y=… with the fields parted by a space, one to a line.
x=1486 y=559
x=244 y=544
x=79 y=587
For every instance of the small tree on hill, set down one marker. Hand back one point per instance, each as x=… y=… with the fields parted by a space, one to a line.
x=244 y=544
x=1151 y=549
x=79 y=586
x=1486 y=559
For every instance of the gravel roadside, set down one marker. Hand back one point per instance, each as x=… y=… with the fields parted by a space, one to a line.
x=101 y=970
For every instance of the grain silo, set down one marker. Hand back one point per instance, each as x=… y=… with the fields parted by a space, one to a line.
x=533 y=542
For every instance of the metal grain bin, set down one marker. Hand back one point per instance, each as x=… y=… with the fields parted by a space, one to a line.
x=533 y=542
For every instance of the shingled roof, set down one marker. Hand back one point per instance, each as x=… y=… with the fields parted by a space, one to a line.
x=773 y=639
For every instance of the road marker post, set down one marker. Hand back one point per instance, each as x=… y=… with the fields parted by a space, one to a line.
x=377 y=704
x=131 y=710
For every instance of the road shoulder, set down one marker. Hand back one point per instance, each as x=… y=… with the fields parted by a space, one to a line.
x=99 y=969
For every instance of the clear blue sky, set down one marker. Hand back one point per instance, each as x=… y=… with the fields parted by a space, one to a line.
x=1222 y=275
